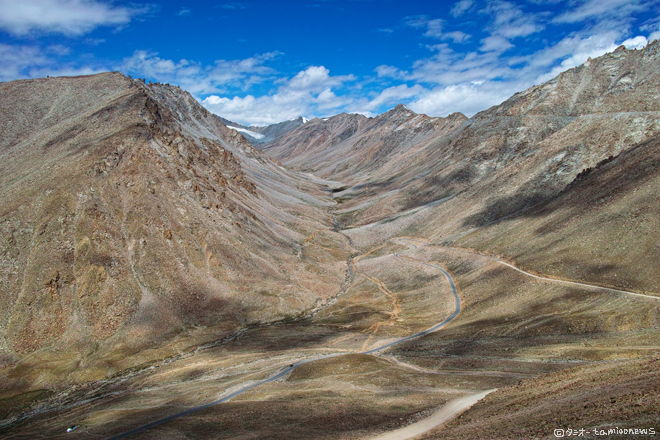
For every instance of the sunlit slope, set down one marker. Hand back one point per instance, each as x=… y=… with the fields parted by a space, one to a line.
x=511 y=160
x=134 y=221
x=602 y=228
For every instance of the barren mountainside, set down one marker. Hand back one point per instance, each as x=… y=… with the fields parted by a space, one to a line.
x=443 y=179
x=344 y=277
x=131 y=216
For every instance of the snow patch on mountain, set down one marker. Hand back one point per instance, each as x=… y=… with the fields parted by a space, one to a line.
x=249 y=133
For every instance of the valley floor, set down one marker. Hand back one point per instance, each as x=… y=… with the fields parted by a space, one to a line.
x=517 y=332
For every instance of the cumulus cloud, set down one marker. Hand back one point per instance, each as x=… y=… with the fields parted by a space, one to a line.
x=316 y=78
x=68 y=17
x=638 y=42
x=467 y=98
x=308 y=93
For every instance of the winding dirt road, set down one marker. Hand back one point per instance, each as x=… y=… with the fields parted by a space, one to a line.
x=547 y=278
x=450 y=410
x=292 y=367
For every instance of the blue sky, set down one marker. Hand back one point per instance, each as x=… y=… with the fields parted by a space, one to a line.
x=261 y=62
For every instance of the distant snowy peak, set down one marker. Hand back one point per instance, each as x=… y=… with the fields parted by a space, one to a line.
x=303 y=119
x=248 y=132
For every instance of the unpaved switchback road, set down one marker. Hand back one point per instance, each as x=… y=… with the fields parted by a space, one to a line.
x=287 y=370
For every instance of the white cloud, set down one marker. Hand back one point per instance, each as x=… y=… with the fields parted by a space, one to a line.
x=652 y=25
x=64 y=70
x=495 y=43
x=94 y=41
x=328 y=100
x=472 y=81
x=457 y=36
x=184 y=12
x=59 y=49
x=638 y=42
x=308 y=93
x=16 y=59
x=572 y=52
x=448 y=67
x=599 y=9
x=390 y=72
x=465 y=98
x=21 y=62
x=433 y=27
x=316 y=78
x=391 y=96
x=68 y=17
x=509 y=20
x=197 y=78
x=461 y=7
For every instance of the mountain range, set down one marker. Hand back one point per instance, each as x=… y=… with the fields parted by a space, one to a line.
x=155 y=256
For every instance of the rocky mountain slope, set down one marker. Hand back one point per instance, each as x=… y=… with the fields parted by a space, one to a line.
x=134 y=223
x=351 y=147
x=442 y=178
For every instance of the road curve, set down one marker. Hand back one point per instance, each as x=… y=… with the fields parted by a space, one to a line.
x=448 y=411
x=457 y=301
x=292 y=367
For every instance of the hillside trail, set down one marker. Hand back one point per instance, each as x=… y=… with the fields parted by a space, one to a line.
x=450 y=410
x=543 y=277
